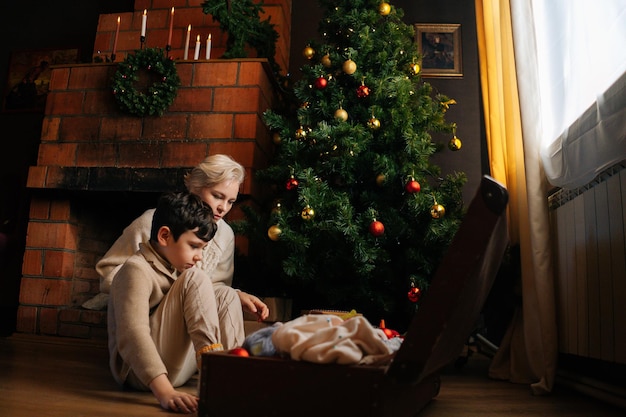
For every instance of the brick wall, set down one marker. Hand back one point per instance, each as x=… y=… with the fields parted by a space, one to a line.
x=218 y=109
x=98 y=168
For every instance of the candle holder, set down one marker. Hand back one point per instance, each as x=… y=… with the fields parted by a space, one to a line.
x=142 y=40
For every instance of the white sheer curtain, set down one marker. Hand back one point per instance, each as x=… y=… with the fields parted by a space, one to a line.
x=580 y=50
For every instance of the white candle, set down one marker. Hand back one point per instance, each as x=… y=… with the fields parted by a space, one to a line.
x=208 y=47
x=117 y=34
x=144 y=21
x=196 y=53
x=186 y=54
x=169 y=36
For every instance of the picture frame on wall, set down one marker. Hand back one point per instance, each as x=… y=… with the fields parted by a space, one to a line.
x=28 y=77
x=439 y=45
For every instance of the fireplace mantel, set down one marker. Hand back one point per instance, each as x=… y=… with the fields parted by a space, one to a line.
x=113 y=179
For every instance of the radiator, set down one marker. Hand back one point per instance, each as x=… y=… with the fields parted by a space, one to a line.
x=588 y=225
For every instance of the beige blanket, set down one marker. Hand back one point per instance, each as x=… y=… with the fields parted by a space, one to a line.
x=324 y=338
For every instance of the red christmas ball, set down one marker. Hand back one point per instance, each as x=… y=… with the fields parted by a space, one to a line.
x=388 y=332
x=414 y=294
x=362 y=91
x=291 y=184
x=412 y=187
x=321 y=83
x=391 y=333
x=239 y=351
x=377 y=228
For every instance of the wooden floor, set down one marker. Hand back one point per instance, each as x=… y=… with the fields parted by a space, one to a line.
x=52 y=377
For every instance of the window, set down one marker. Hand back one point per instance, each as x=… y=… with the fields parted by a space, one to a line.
x=581 y=65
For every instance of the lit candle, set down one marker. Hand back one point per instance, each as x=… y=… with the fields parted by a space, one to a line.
x=117 y=34
x=144 y=21
x=208 y=47
x=169 y=37
x=186 y=54
x=196 y=53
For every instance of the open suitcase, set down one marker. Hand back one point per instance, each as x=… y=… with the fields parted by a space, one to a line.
x=232 y=386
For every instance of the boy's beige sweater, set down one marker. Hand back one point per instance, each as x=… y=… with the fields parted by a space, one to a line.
x=140 y=286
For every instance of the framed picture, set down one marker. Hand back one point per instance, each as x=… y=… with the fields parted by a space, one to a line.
x=28 y=77
x=440 y=47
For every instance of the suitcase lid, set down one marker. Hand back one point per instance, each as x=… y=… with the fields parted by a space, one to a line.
x=450 y=309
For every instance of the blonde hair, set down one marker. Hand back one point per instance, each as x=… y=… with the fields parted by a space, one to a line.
x=212 y=171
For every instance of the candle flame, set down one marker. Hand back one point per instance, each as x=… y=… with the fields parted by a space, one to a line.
x=118 y=20
x=172 y=12
x=198 y=38
x=145 y=12
x=189 y=28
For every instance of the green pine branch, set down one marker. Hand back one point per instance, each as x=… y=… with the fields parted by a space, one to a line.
x=241 y=21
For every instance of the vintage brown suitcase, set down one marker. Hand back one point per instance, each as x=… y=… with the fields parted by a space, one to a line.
x=232 y=386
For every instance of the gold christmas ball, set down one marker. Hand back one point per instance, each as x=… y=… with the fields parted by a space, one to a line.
x=380 y=179
x=276 y=138
x=455 y=144
x=307 y=213
x=326 y=61
x=414 y=69
x=373 y=123
x=308 y=52
x=274 y=232
x=384 y=8
x=349 y=67
x=341 y=114
x=437 y=211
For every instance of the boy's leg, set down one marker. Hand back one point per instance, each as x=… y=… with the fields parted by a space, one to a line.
x=230 y=316
x=185 y=322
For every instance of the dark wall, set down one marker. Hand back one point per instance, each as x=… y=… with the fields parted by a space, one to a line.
x=466 y=91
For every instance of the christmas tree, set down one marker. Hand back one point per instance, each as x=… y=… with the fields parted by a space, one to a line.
x=358 y=216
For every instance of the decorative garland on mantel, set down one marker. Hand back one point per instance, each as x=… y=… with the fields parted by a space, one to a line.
x=158 y=95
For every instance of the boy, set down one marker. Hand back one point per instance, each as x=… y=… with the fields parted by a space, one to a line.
x=162 y=312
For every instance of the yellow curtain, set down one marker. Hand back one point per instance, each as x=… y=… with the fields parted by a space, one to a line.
x=528 y=351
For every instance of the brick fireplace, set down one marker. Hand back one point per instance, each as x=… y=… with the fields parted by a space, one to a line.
x=98 y=168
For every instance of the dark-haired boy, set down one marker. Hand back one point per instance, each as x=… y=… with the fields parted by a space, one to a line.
x=162 y=312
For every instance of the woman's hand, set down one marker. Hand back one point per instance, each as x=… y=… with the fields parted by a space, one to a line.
x=254 y=305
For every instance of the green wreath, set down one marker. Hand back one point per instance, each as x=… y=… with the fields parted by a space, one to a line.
x=154 y=71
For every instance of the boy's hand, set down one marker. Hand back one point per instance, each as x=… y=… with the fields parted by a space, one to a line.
x=254 y=305
x=170 y=399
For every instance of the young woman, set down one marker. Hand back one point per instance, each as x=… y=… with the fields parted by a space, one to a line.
x=217 y=181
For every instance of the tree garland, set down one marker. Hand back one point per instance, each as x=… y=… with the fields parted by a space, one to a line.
x=241 y=20
x=158 y=95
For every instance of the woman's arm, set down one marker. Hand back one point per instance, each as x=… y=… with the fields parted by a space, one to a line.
x=123 y=248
